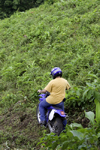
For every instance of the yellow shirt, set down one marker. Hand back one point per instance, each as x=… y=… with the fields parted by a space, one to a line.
x=57 y=88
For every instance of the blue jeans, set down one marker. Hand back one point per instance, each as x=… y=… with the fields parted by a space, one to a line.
x=43 y=106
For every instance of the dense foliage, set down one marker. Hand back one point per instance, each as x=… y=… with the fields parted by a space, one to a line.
x=75 y=137
x=65 y=34
x=33 y=42
x=8 y=7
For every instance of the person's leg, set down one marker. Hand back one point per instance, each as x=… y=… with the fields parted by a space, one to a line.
x=60 y=105
x=64 y=123
x=42 y=108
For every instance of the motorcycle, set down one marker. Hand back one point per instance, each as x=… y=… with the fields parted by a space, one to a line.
x=54 y=116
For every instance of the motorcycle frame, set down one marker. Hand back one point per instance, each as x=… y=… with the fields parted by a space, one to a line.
x=50 y=108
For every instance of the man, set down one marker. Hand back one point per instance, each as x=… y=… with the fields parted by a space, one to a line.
x=56 y=88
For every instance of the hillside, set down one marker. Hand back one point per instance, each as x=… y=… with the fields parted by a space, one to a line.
x=65 y=34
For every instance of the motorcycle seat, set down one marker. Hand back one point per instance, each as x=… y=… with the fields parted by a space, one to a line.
x=55 y=107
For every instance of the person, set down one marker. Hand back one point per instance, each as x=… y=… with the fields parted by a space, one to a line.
x=56 y=87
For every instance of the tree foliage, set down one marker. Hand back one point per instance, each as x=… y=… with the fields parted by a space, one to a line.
x=8 y=7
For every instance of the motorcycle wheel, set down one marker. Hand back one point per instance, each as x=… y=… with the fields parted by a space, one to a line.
x=38 y=113
x=56 y=125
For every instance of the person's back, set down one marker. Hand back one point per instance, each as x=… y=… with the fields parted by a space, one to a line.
x=57 y=87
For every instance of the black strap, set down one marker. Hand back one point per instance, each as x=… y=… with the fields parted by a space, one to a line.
x=64 y=99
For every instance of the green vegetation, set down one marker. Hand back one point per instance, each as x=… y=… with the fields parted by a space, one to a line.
x=74 y=137
x=65 y=34
x=9 y=7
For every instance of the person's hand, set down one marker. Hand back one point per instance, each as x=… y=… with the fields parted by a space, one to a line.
x=39 y=91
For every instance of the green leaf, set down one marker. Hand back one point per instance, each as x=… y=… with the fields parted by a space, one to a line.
x=72 y=125
x=77 y=134
x=54 y=145
x=90 y=116
x=97 y=95
x=85 y=93
x=92 y=75
x=89 y=94
x=64 y=145
x=98 y=134
x=97 y=110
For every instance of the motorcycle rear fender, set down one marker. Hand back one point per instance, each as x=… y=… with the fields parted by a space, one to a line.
x=53 y=111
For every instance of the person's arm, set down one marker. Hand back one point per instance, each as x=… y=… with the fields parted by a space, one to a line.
x=47 y=88
x=68 y=86
x=42 y=91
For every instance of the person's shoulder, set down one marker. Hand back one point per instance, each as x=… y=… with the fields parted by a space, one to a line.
x=63 y=79
x=51 y=81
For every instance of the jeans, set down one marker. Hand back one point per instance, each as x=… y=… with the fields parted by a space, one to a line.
x=43 y=106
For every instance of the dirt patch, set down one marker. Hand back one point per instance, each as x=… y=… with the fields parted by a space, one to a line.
x=20 y=129
x=78 y=117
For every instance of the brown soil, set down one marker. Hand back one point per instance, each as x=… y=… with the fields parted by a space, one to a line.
x=19 y=129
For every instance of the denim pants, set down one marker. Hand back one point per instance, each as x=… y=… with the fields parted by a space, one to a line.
x=43 y=106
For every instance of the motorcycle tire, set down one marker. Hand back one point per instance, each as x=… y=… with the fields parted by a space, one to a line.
x=38 y=113
x=56 y=125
